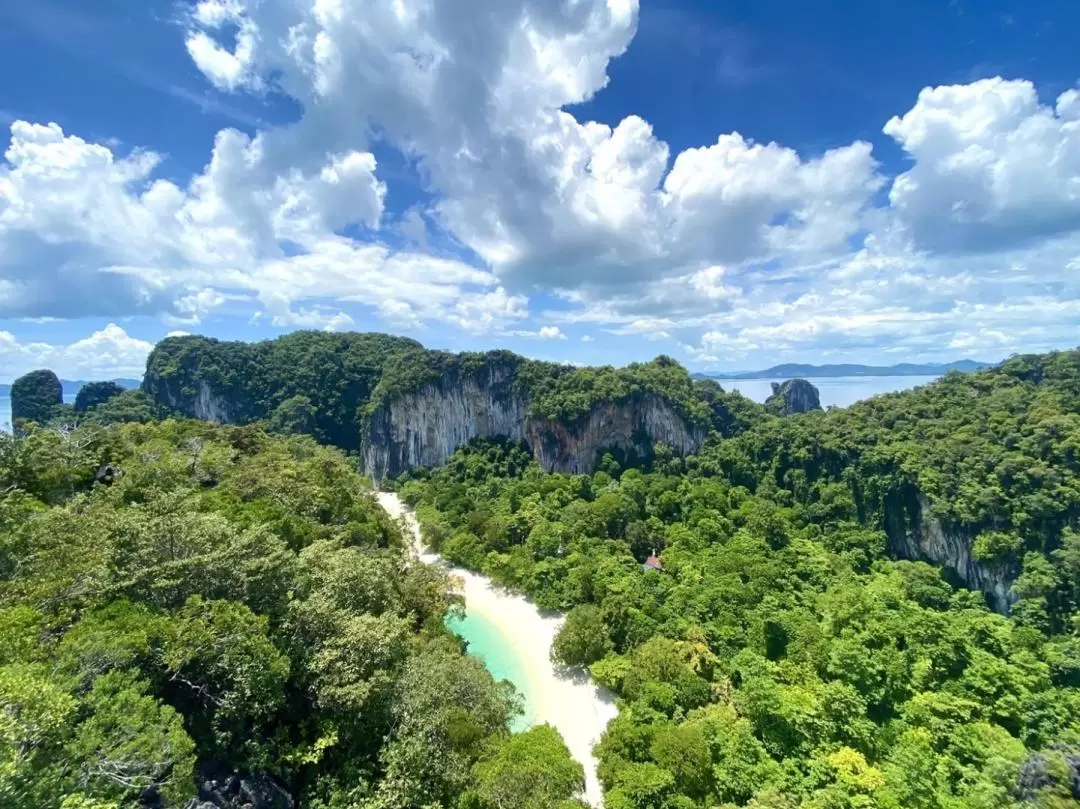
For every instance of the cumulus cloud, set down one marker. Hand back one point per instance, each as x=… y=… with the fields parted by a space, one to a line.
x=85 y=232
x=543 y=333
x=105 y=354
x=732 y=248
x=993 y=167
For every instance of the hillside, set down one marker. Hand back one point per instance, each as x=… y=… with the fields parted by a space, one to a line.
x=231 y=618
x=402 y=406
x=788 y=652
x=871 y=607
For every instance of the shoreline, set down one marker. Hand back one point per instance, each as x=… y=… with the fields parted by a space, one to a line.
x=576 y=707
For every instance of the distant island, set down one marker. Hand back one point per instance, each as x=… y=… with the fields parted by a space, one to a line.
x=73 y=386
x=790 y=370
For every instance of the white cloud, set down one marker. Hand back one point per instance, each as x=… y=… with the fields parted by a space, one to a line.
x=227 y=69
x=86 y=232
x=105 y=354
x=993 y=168
x=733 y=248
x=543 y=333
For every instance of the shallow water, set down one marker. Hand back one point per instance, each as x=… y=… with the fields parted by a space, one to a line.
x=486 y=642
x=513 y=638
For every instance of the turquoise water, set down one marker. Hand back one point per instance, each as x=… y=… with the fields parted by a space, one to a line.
x=495 y=651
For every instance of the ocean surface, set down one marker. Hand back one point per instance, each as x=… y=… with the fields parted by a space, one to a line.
x=496 y=652
x=5 y=410
x=836 y=391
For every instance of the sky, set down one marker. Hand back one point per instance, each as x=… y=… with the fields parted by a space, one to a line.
x=732 y=184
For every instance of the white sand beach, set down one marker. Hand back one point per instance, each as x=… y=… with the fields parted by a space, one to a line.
x=576 y=707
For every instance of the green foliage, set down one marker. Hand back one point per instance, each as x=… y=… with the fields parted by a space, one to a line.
x=783 y=658
x=335 y=373
x=93 y=394
x=582 y=639
x=128 y=406
x=530 y=770
x=34 y=396
x=334 y=386
x=227 y=598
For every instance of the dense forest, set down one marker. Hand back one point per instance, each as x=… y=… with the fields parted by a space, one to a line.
x=782 y=657
x=186 y=605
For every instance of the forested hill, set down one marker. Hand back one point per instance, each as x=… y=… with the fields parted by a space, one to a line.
x=747 y=605
x=196 y=616
x=403 y=405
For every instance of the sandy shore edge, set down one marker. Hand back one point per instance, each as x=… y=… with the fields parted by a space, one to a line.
x=580 y=710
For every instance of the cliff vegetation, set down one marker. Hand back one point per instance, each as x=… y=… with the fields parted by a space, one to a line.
x=344 y=389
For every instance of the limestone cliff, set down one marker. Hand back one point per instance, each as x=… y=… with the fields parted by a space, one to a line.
x=632 y=426
x=205 y=403
x=424 y=427
x=793 y=396
x=402 y=406
x=915 y=533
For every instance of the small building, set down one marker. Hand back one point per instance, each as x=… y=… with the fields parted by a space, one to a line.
x=652 y=563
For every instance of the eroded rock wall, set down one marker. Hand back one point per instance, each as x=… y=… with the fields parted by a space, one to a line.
x=918 y=535
x=632 y=425
x=424 y=427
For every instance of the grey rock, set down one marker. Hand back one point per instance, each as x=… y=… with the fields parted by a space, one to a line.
x=232 y=791
x=107 y=474
x=915 y=533
x=263 y=792
x=793 y=396
x=423 y=428
x=1038 y=772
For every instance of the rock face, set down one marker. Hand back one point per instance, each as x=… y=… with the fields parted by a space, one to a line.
x=632 y=426
x=793 y=396
x=232 y=791
x=206 y=404
x=1039 y=772
x=915 y=533
x=424 y=428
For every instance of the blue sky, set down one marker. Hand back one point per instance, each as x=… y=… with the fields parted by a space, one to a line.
x=733 y=184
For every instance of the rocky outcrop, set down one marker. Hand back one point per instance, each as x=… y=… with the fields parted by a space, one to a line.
x=424 y=427
x=915 y=533
x=631 y=426
x=1056 y=768
x=404 y=407
x=232 y=791
x=793 y=396
x=204 y=403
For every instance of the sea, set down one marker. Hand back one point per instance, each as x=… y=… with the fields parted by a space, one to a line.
x=496 y=652
x=835 y=391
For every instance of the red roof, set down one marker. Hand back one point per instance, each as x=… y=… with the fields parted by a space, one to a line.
x=654 y=563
